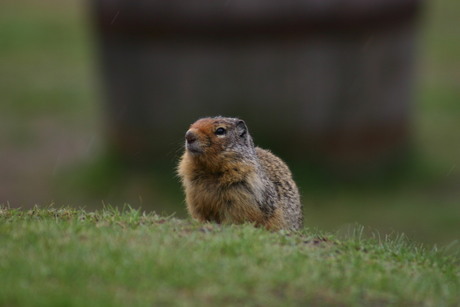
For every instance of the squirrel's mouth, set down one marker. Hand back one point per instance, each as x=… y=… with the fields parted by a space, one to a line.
x=193 y=148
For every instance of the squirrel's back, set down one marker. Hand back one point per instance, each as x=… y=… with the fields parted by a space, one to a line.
x=228 y=180
x=287 y=191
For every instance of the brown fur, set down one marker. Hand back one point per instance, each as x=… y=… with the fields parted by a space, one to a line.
x=224 y=177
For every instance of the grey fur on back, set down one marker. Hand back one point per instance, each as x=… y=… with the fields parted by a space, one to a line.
x=287 y=193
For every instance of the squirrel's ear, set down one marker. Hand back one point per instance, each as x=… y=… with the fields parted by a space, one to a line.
x=241 y=128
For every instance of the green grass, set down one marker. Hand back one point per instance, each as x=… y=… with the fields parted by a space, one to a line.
x=72 y=257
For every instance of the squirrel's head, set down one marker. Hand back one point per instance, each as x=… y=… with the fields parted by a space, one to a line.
x=213 y=136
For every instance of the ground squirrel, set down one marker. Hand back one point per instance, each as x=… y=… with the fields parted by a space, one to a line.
x=228 y=180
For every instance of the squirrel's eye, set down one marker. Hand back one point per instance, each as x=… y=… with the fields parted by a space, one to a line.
x=220 y=131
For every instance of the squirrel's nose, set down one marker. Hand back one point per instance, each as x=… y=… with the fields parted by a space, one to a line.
x=190 y=137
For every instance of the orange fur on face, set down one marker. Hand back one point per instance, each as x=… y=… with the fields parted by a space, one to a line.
x=211 y=143
x=213 y=158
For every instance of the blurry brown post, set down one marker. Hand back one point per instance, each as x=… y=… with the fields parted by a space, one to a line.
x=326 y=79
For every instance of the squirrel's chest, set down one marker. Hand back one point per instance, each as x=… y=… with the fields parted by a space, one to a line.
x=208 y=200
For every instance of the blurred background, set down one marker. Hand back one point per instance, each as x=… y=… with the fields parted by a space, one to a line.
x=358 y=97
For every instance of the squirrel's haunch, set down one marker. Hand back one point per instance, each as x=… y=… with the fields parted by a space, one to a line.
x=228 y=180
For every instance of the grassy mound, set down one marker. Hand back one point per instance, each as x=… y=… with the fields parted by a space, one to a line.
x=110 y=257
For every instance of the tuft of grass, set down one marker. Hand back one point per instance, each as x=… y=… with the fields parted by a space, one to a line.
x=118 y=257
